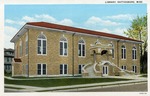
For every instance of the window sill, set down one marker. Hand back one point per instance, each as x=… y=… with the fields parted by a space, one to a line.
x=123 y=59
x=42 y=54
x=82 y=56
x=134 y=59
x=63 y=55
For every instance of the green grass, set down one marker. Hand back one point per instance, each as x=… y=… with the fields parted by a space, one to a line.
x=61 y=82
x=8 y=74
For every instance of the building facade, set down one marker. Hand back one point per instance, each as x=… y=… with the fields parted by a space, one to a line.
x=8 y=56
x=46 y=49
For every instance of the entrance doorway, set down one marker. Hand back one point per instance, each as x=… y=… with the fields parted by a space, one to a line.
x=105 y=70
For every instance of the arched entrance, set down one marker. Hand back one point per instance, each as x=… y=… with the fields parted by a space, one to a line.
x=106 y=66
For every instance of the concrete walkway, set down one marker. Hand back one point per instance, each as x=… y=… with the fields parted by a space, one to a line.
x=23 y=88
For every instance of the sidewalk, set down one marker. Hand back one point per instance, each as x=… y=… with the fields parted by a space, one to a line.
x=75 y=87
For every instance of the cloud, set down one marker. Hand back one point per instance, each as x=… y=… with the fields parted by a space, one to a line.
x=105 y=30
x=45 y=17
x=27 y=18
x=66 y=22
x=122 y=17
x=10 y=30
x=96 y=21
x=14 y=22
x=38 y=18
x=9 y=21
x=8 y=35
x=117 y=31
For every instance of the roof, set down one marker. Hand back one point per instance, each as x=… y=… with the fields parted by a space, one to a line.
x=76 y=30
x=8 y=50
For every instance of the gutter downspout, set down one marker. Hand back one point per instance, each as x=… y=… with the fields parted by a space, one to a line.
x=118 y=53
x=28 y=52
x=73 y=54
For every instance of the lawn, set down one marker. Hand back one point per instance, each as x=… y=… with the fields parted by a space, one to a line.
x=61 y=82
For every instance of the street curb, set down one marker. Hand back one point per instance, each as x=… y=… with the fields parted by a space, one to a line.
x=92 y=87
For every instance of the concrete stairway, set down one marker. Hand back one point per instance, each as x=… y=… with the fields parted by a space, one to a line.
x=90 y=71
x=126 y=72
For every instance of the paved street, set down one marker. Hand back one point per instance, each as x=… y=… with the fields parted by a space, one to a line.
x=123 y=88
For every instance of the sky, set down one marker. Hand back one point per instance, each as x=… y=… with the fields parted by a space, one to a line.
x=110 y=18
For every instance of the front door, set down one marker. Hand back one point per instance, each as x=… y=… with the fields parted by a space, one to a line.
x=105 y=70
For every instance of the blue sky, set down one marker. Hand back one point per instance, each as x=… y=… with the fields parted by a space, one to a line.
x=110 y=18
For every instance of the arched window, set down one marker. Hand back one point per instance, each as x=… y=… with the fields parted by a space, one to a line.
x=134 y=53
x=41 y=44
x=20 y=48
x=123 y=52
x=81 y=48
x=63 y=46
x=26 y=44
x=112 y=50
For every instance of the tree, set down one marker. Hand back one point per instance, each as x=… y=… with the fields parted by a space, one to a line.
x=138 y=30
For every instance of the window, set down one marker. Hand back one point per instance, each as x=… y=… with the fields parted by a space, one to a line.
x=41 y=44
x=133 y=53
x=41 y=69
x=20 y=48
x=63 y=46
x=80 y=68
x=81 y=48
x=26 y=45
x=123 y=52
x=112 y=50
x=134 y=68
x=7 y=59
x=124 y=67
x=16 y=51
x=63 y=69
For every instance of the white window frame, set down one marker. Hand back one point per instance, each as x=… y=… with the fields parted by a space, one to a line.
x=79 y=43
x=20 y=48
x=16 y=51
x=113 y=51
x=134 y=68
x=123 y=52
x=26 y=45
x=123 y=67
x=105 y=70
x=41 y=47
x=63 y=40
x=41 y=69
x=134 y=53
x=81 y=65
x=63 y=69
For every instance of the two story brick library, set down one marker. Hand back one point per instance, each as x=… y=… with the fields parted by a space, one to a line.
x=45 y=50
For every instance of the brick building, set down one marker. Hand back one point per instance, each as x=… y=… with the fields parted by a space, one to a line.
x=46 y=49
x=8 y=56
